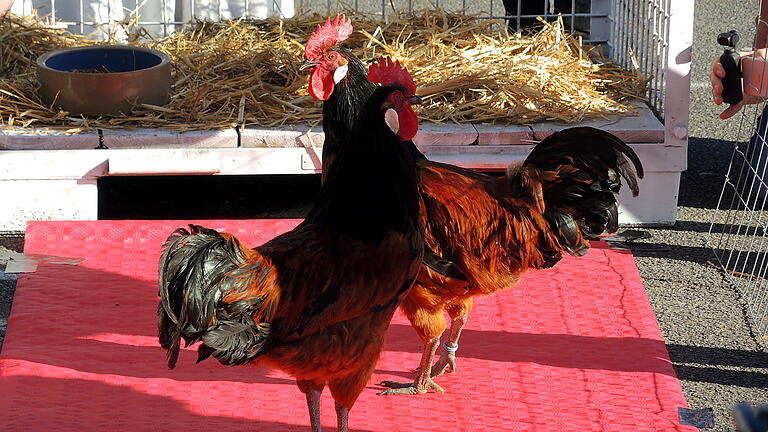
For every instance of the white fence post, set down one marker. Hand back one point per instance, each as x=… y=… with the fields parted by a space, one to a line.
x=678 y=77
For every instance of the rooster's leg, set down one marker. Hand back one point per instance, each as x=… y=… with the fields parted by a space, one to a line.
x=342 y=417
x=312 y=391
x=423 y=382
x=313 y=403
x=447 y=361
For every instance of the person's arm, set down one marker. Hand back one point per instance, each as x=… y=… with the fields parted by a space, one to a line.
x=718 y=73
x=4 y=6
x=761 y=27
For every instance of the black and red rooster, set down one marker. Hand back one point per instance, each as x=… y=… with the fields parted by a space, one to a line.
x=482 y=232
x=314 y=302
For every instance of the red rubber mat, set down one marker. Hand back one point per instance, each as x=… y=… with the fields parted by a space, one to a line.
x=575 y=348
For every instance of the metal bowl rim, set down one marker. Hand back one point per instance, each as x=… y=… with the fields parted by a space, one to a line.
x=42 y=58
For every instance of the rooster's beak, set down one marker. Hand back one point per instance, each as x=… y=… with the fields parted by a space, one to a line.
x=308 y=64
x=414 y=100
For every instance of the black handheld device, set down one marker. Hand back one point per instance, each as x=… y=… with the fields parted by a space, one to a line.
x=732 y=91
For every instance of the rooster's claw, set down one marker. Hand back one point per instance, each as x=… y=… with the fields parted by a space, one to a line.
x=446 y=364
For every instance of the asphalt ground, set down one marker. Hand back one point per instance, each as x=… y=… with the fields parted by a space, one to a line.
x=702 y=317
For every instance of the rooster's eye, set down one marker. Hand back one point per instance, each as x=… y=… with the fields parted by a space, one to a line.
x=331 y=56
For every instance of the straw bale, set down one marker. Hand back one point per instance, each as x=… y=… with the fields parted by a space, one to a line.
x=245 y=72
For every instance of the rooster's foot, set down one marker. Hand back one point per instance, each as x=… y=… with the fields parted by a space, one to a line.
x=446 y=364
x=400 y=388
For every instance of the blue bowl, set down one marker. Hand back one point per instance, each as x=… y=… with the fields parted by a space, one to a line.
x=107 y=59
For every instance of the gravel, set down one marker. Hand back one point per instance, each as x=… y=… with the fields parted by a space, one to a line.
x=7 y=287
x=15 y=242
x=702 y=317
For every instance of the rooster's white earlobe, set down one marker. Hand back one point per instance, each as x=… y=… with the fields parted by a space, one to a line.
x=392 y=120
x=340 y=73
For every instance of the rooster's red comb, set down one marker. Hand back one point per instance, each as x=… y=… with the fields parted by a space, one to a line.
x=327 y=35
x=386 y=72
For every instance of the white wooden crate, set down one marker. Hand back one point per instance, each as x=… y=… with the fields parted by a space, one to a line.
x=54 y=176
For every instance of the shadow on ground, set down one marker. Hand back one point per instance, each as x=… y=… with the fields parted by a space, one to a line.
x=706 y=364
x=701 y=183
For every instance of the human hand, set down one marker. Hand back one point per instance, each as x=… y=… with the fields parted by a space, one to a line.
x=4 y=6
x=716 y=80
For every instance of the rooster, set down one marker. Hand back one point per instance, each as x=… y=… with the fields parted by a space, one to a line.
x=314 y=302
x=334 y=77
x=483 y=232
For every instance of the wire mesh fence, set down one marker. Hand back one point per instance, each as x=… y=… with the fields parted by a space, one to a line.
x=632 y=32
x=158 y=17
x=638 y=39
x=738 y=230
